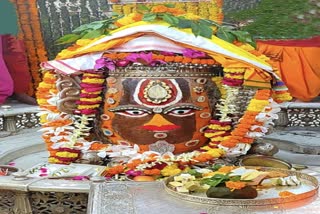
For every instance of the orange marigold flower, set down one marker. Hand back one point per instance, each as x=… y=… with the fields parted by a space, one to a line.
x=228 y=144
x=186 y=60
x=169 y=58
x=122 y=55
x=137 y=17
x=211 y=62
x=226 y=169
x=152 y=171
x=114 y=170
x=97 y=146
x=159 y=9
x=178 y=58
x=284 y=194
x=235 y=185
x=73 y=47
x=203 y=157
x=134 y=163
x=195 y=61
x=175 y=11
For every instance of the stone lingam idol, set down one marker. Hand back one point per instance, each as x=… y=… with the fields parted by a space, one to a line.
x=163 y=108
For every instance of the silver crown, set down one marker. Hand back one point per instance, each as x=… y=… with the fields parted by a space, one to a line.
x=167 y=70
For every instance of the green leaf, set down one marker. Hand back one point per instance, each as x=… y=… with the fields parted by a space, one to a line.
x=215 y=180
x=184 y=23
x=143 y=7
x=235 y=178
x=68 y=38
x=173 y=21
x=112 y=26
x=210 y=22
x=195 y=173
x=205 y=31
x=195 y=28
x=244 y=37
x=169 y=5
x=149 y=17
x=93 y=34
x=115 y=13
x=225 y=35
x=216 y=167
x=81 y=28
x=93 y=25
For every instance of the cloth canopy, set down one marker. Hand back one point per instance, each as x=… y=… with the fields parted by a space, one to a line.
x=299 y=64
x=227 y=54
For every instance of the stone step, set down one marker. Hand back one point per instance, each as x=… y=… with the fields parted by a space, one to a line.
x=298 y=141
x=15 y=116
x=15 y=146
x=301 y=159
x=30 y=160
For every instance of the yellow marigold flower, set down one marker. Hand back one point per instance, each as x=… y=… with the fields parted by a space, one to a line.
x=67 y=154
x=80 y=107
x=43 y=118
x=45 y=85
x=218 y=127
x=93 y=80
x=216 y=153
x=91 y=99
x=53 y=160
x=170 y=170
x=191 y=16
x=42 y=101
x=208 y=135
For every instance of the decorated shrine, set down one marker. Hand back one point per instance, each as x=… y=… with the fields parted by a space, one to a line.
x=156 y=106
x=160 y=83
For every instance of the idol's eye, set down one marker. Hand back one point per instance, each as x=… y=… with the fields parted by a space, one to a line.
x=133 y=113
x=182 y=112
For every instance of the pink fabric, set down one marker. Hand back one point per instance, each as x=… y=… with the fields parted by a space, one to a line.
x=6 y=82
x=15 y=58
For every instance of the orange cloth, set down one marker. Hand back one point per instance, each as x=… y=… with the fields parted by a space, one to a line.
x=299 y=64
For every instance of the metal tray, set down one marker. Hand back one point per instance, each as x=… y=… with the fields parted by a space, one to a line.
x=305 y=193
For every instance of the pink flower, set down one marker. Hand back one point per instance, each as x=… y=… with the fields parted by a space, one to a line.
x=160 y=166
x=80 y=178
x=165 y=53
x=232 y=82
x=104 y=63
x=122 y=63
x=133 y=173
x=193 y=53
x=43 y=170
x=86 y=111
x=43 y=175
x=144 y=58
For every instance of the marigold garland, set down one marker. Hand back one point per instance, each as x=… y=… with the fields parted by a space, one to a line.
x=256 y=105
x=168 y=59
x=209 y=9
x=30 y=33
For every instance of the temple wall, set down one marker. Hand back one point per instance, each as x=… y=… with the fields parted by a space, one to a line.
x=236 y=5
x=59 y=17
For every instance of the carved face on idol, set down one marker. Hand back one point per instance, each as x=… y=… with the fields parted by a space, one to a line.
x=162 y=114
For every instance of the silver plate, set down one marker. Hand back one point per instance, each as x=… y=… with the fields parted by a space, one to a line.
x=304 y=193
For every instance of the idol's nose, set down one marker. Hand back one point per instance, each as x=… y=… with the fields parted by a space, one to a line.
x=159 y=123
